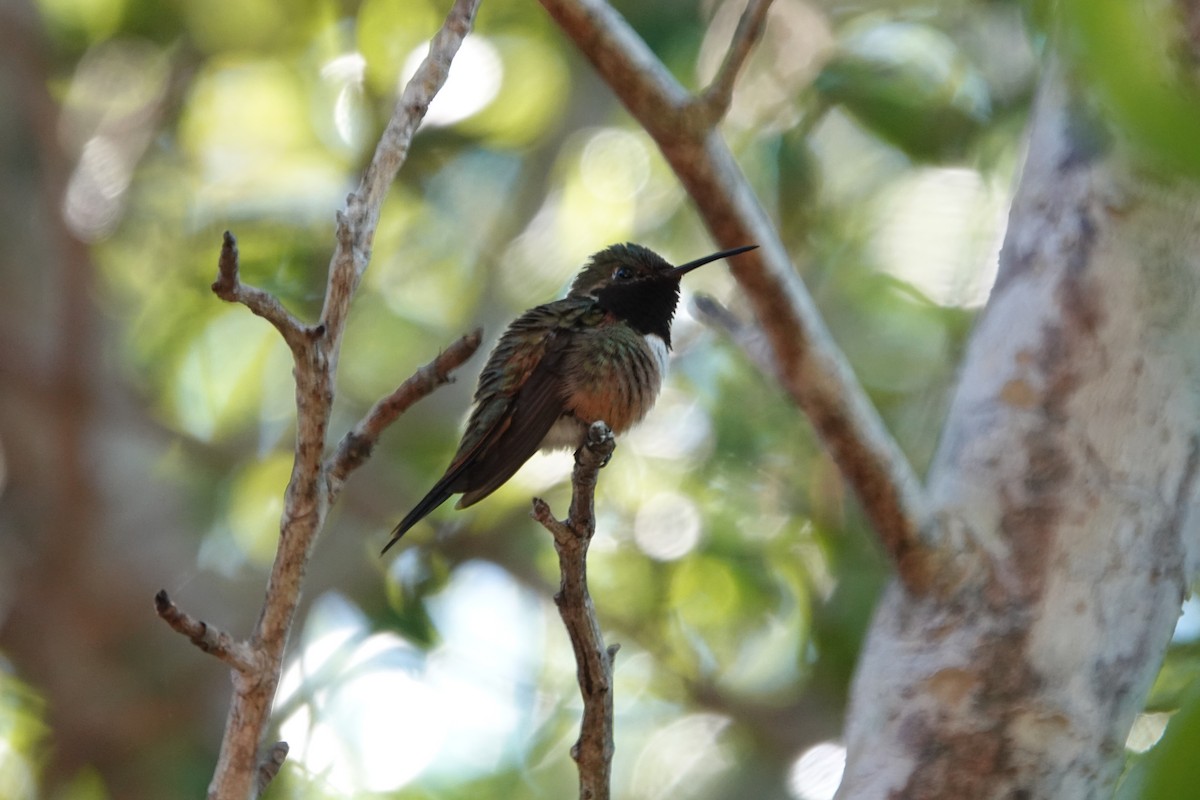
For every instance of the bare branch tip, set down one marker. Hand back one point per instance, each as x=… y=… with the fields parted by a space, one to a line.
x=226 y=284
x=269 y=767
x=541 y=510
x=209 y=639
x=714 y=102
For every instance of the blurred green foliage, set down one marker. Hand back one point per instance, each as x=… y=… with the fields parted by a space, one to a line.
x=731 y=565
x=1139 y=60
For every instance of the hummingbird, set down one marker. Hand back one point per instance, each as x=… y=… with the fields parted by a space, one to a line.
x=599 y=353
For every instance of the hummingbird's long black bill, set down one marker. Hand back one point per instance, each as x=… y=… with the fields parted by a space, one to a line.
x=683 y=269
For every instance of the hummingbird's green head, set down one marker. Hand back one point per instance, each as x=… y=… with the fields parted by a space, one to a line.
x=637 y=285
x=620 y=263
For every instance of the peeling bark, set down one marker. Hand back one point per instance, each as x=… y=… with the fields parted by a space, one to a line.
x=1065 y=477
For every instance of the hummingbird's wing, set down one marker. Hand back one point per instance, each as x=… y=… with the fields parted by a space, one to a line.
x=521 y=395
x=519 y=398
x=523 y=421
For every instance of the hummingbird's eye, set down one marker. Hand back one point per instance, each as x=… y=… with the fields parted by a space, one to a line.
x=622 y=274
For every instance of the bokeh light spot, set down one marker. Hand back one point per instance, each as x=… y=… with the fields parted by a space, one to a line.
x=667 y=526
x=614 y=165
x=817 y=773
x=682 y=755
x=941 y=230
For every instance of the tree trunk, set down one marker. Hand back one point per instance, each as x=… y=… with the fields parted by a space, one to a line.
x=1062 y=489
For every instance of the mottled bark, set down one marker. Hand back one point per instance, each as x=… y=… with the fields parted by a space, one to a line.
x=1065 y=481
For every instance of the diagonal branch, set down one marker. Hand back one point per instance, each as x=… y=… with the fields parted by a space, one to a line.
x=356 y=446
x=356 y=226
x=810 y=366
x=719 y=93
x=593 y=751
x=748 y=336
x=235 y=653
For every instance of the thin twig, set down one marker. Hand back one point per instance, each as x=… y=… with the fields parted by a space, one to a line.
x=213 y=641
x=809 y=364
x=229 y=287
x=719 y=93
x=593 y=751
x=356 y=446
x=748 y=336
x=356 y=226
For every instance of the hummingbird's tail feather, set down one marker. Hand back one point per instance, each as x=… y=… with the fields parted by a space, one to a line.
x=509 y=445
x=439 y=494
x=490 y=454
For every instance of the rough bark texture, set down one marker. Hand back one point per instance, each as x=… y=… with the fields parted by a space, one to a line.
x=1065 y=480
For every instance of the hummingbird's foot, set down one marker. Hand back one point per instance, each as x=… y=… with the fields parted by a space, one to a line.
x=600 y=440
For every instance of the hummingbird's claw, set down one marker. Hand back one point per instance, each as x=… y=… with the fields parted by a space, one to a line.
x=600 y=439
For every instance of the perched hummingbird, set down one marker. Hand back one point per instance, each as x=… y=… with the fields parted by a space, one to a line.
x=600 y=353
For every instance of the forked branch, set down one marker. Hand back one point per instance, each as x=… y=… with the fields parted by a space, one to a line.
x=356 y=446
x=258 y=661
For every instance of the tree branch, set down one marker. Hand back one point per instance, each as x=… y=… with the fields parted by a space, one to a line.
x=240 y=772
x=356 y=446
x=229 y=287
x=235 y=653
x=748 y=336
x=593 y=751
x=356 y=226
x=810 y=366
x=719 y=93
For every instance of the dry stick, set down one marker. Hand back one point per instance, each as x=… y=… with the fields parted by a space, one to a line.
x=356 y=446
x=809 y=365
x=315 y=349
x=593 y=751
x=229 y=287
x=213 y=641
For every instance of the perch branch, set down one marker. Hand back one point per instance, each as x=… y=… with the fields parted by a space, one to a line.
x=808 y=363
x=356 y=446
x=593 y=751
x=719 y=93
x=214 y=641
x=229 y=287
x=240 y=770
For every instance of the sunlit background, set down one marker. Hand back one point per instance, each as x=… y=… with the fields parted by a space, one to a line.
x=146 y=427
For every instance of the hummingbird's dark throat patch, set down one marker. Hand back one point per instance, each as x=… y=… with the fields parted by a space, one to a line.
x=648 y=305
